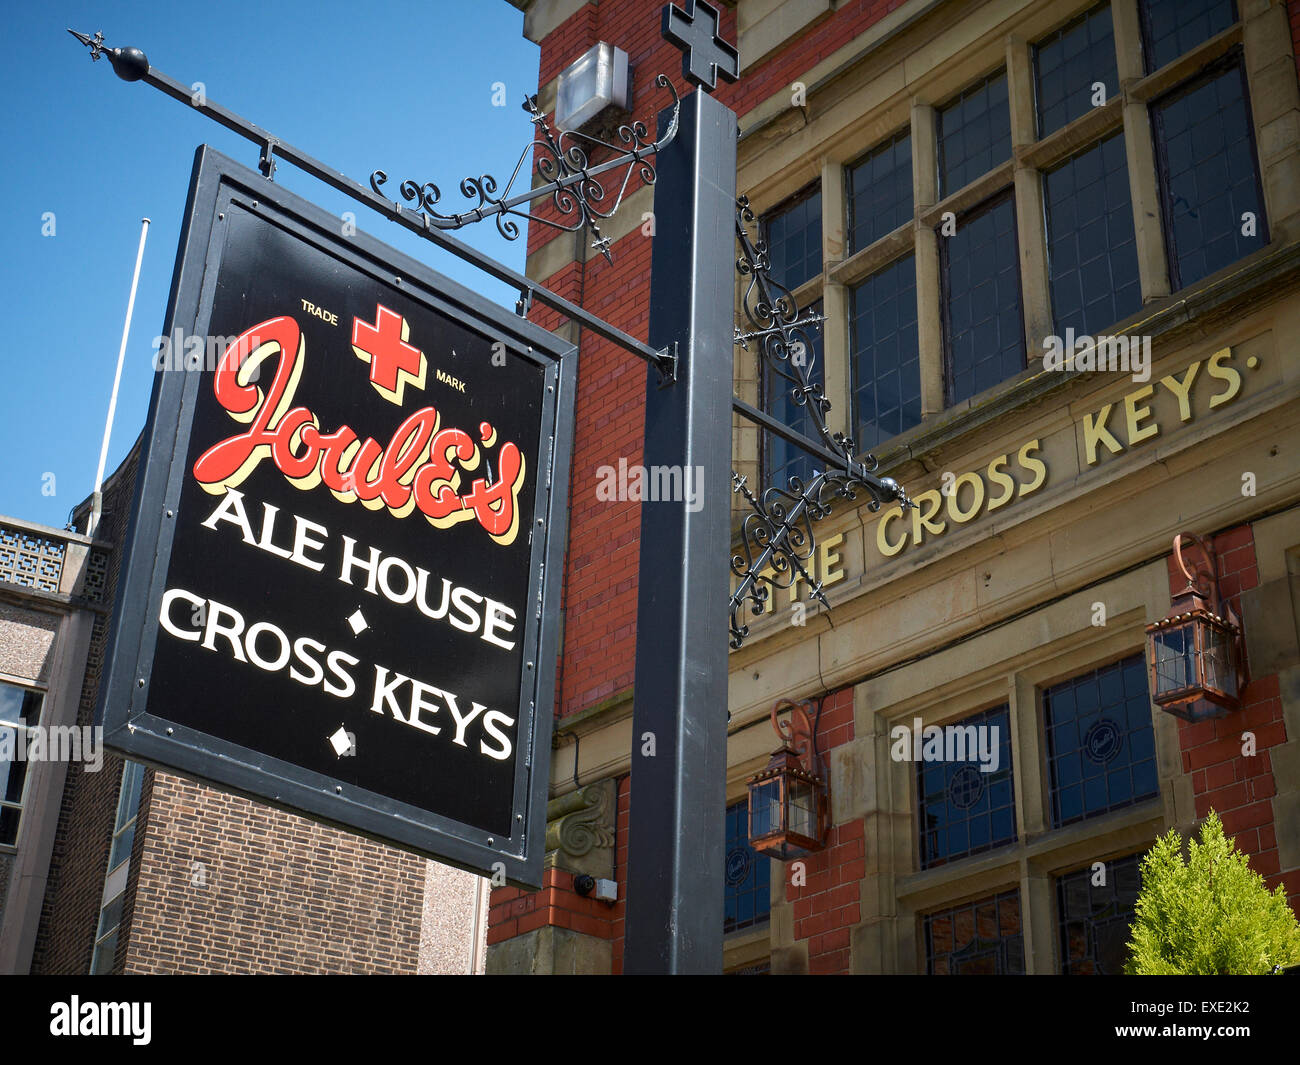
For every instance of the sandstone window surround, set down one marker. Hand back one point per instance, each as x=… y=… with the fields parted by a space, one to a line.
x=1095 y=183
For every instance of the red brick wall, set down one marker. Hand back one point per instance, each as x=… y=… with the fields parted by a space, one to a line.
x=600 y=593
x=1239 y=788
x=514 y=912
x=828 y=902
x=634 y=26
x=618 y=926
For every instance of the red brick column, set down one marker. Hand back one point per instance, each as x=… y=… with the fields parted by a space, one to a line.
x=828 y=902
x=1239 y=788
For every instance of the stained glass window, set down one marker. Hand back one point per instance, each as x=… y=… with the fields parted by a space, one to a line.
x=747 y=900
x=1068 y=66
x=981 y=278
x=794 y=238
x=1095 y=908
x=974 y=133
x=966 y=795
x=1214 y=211
x=1100 y=743
x=880 y=191
x=1172 y=27
x=981 y=938
x=1092 y=255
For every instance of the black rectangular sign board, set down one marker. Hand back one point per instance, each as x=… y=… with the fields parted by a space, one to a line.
x=341 y=582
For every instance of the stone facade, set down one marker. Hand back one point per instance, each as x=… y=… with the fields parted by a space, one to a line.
x=981 y=599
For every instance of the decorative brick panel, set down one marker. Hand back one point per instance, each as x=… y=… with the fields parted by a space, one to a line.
x=229 y=885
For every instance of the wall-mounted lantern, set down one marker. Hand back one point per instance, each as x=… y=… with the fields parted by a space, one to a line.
x=789 y=801
x=1196 y=656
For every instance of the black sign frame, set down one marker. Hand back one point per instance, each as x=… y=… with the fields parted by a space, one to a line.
x=218 y=184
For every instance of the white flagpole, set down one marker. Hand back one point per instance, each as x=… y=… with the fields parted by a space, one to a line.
x=97 y=501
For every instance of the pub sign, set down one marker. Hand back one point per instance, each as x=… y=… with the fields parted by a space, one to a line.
x=340 y=585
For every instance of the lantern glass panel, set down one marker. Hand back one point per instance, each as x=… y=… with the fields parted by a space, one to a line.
x=765 y=808
x=1219 y=673
x=1174 y=657
x=802 y=809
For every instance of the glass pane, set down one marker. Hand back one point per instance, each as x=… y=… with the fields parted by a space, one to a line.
x=880 y=191
x=1094 y=918
x=746 y=901
x=12 y=772
x=111 y=915
x=1068 y=65
x=966 y=793
x=802 y=810
x=1172 y=27
x=974 y=132
x=128 y=800
x=977 y=938
x=794 y=239
x=1091 y=249
x=121 y=846
x=9 y=818
x=1100 y=742
x=19 y=705
x=886 y=354
x=1203 y=133
x=102 y=962
x=983 y=327
x=1174 y=651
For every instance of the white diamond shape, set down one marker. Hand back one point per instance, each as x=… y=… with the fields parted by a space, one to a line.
x=358 y=622
x=341 y=742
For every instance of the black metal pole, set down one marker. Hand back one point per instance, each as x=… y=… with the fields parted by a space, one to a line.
x=679 y=749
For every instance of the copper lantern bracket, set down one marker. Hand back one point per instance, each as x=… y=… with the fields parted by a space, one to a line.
x=1203 y=593
x=797 y=734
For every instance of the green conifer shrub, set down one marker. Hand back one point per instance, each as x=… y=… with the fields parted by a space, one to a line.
x=1210 y=915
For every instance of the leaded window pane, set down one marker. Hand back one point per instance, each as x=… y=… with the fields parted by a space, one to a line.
x=782 y=460
x=1100 y=743
x=1095 y=918
x=962 y=808
x=982 y=320
x=1091 y=249
x=1210 y=175
x=1069 y=63
x=1172 y=27
x=747 y=877
x=974 y=133
x=886 y=354
x=794 y=239
x=880 y=191
x=982 y=938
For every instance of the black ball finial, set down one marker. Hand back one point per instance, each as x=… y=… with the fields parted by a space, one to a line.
x=129 y=64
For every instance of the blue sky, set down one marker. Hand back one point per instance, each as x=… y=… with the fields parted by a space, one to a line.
x=406 y=87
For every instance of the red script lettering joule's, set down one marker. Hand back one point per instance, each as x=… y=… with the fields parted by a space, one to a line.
x=419 y=469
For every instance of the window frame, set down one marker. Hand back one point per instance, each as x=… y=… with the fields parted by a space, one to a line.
x=1234 y=57
x=21 y=805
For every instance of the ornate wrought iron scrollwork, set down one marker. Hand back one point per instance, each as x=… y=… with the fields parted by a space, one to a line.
x=570 y=179
x=778 y=539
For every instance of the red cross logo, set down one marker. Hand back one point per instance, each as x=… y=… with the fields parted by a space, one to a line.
x=393 y=362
